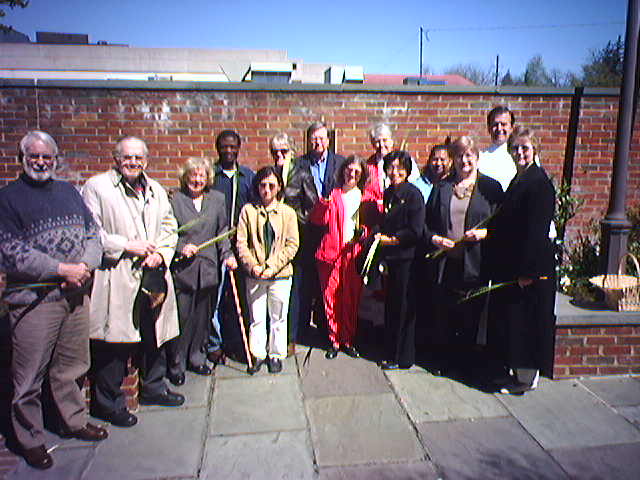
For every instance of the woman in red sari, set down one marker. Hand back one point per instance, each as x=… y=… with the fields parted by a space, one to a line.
x=341 y=285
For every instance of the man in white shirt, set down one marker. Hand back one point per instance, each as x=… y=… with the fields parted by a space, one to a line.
x=495 y=161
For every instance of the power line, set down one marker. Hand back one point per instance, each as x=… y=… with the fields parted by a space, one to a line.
x=522 y=27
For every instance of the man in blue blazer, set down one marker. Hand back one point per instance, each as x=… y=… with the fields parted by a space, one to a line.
x=321 y=163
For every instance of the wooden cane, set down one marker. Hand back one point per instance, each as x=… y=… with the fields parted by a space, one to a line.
x=244 y=334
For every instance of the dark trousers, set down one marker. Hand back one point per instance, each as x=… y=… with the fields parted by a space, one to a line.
x=194 y=310
x=400 y=314
x=109 y=364
x=305 y=298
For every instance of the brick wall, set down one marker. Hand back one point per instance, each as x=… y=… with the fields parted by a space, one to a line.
x=597 y=350
x=181 y=123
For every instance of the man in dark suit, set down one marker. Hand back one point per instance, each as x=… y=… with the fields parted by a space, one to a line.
x=321 y=164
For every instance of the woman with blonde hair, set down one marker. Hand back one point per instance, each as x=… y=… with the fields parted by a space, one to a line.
x=195 y=270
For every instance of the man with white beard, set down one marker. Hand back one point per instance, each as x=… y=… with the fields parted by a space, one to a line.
x=49 y=244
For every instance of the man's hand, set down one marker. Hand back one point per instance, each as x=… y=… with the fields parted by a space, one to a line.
x=189 y=250
x=152 y=261
x=386 y=240
x=140 y=248
x=257 y=271
x=443 y=242
x=231 y=263
x=74 y=274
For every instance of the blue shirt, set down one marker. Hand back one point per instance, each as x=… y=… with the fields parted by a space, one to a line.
x=318 y=170
x=223 y=183
x=424 y=185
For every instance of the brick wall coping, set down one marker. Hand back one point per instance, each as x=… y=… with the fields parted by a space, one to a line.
x=569 y=315
x=307 y=87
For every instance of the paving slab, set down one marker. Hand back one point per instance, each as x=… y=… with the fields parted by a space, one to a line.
x=341 y=376
x=428 y=398
x=389 y=471
x=619 y=462
x=68 y=463
x=630 y=413
x=617 y=391
x=564 y=414
x=257 y=404
x=283 y=455
x=165 y=443
x=234 y=369
x=361 y=429
x=491 y=448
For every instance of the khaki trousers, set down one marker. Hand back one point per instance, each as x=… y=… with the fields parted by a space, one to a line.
x=51 y=338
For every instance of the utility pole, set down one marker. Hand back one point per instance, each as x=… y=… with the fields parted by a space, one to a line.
x=421 y=35
x=497 y=68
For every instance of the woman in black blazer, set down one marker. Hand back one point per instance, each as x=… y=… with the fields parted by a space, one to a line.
x=455 y=222
x=400 y=232
x=195 y=271
x=523 y=319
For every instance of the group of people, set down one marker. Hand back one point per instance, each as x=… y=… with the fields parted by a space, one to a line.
x=124 y=267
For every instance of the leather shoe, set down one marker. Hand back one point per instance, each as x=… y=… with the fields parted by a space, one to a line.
x=331 y=353
x=274 y=365
x=516 y=388
x=388 y=365
x=166 y=399
x=257 y=365
x=200 y=369
x=121 y=418
x=351 y=351
x=217 y=358
x=89 y=433
x=176 y=379
x=38 y=457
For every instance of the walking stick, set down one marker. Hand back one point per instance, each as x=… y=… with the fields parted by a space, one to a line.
x=244 y=334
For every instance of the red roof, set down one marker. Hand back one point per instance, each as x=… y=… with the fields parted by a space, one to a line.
x=394 y=79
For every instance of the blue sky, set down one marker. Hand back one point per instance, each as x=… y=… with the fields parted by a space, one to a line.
x=382 y=36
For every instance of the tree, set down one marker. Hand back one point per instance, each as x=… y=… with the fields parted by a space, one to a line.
x=605 y=66
x=473 y=72
x=507 y=80
x=536 y=75
x=10 y=4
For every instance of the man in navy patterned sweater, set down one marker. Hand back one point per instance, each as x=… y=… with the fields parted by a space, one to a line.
x=49 y=244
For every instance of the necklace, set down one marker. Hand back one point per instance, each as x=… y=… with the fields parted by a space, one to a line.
x=461 y=190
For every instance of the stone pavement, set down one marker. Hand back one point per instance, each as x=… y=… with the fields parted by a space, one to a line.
x=346 y=419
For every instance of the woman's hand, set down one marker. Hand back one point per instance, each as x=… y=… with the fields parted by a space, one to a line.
x=189 y=250
x=524 y=282
x=256 y=272
x=443 y=242
x=386 y=240
x=475 y=234
x=267 y=273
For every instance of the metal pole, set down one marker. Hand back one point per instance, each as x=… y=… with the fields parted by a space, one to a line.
x=615 y=226
x=497 y=68
x=420 y=74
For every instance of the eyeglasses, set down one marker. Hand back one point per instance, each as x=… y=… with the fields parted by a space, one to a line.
x=138 y=158
x=524 y=148
x=40 y=156
x=281 y=151
x=268 y=185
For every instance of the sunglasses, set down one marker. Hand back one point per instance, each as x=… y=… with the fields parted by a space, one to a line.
x=281 y=151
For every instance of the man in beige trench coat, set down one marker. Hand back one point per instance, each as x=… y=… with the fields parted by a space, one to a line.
x=139 y=234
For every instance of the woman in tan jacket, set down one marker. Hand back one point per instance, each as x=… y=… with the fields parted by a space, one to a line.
x=267 y=241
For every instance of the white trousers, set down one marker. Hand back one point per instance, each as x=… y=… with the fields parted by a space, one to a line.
x=270 y=296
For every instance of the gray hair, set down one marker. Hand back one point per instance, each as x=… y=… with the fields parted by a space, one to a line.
x=33 y=136
x=193 y=163
x=378 y=130
x=118 y=150
x=281 y=137
x=314 y=127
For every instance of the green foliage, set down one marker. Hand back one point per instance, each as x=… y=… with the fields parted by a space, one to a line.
x=566 y=207
x=10 y=4
x=580 y=263
x=605 y=66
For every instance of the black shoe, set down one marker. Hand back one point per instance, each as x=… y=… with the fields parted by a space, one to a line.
x=331 y=353
x=166 y=399
x=88 y=433
x=388 y=365
x=38 y=457
x=257 y=365
x=217 y=358
x=200 y=369
x=351 y=351
x=274 y=365
x=121 y=418
x=516 y=388
x=176 y=379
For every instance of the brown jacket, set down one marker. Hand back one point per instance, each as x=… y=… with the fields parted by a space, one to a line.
x=250 y=241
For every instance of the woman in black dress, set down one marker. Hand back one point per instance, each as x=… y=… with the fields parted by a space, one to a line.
x=400 y=232
x=455 y=223
x=522 y=313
